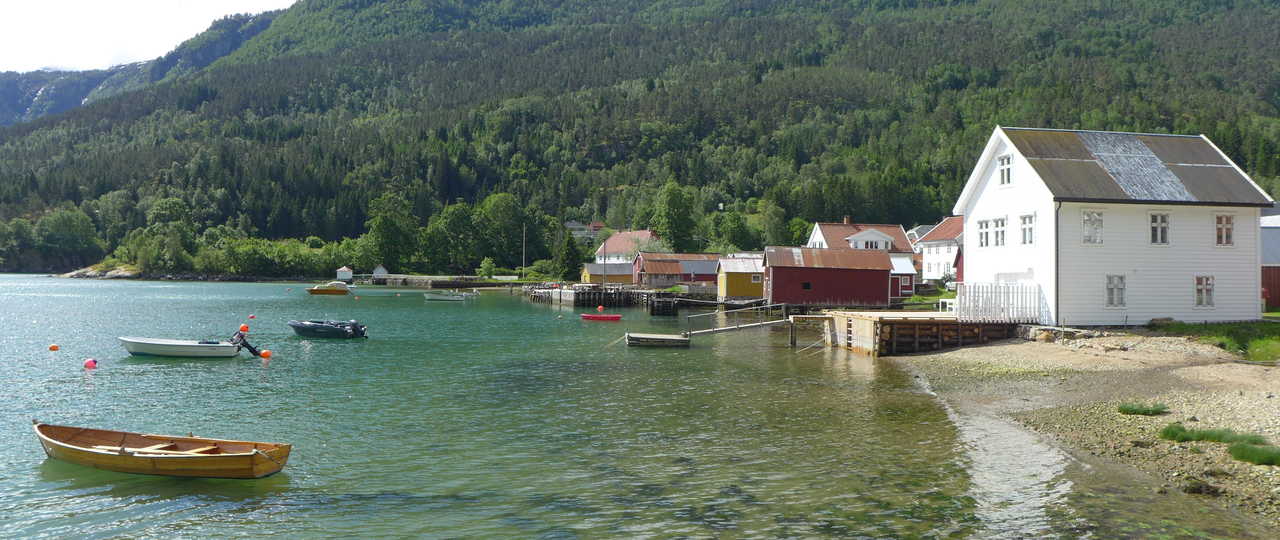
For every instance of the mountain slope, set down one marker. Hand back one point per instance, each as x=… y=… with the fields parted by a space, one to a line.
x=804 y=110
x=27 y=96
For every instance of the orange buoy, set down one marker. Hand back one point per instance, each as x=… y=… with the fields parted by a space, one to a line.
x=600 y=309
x=54 y=347
x=244 y=328
x=265 y=353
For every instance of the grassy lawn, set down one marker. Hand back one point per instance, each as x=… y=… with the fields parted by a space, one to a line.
x=930 y=298
x=1256 y=341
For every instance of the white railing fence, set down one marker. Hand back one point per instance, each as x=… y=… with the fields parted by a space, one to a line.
x=998 y=302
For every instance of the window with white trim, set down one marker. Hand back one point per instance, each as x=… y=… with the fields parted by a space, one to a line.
x=756 y=278
x=984 y=233
x=1225 y=224
x=1159 y=229
x=998 y=225
x=1204 y=291
x=1115 y=291
x=1028 y=229
x=1005 y=164
x=1092 y=226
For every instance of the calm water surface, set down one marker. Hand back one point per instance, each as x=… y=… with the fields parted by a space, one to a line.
x=500 y=418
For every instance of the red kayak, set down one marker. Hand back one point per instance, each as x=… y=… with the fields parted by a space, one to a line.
x=601 y=317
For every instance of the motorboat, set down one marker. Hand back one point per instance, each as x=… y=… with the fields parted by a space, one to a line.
x=187 y=348
x=165 y=455
x=331 y=288
x=143 y=346
x=449 y=296
x=329 y=329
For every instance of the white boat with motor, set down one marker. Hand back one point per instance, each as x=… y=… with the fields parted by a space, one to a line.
x=187 y=348
x=450 y=296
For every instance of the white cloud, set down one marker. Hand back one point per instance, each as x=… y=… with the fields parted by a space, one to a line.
x=94 y=34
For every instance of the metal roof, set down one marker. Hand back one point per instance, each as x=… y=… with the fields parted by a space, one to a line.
x=851 y=259
x=699 y=267
x=612 y=269
x=742 y=266
x=662 y=267
x=1131 y=167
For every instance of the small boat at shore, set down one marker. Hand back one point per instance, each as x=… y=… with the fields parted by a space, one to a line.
x=601 y=317
x=165 y=455
x=449 y=296
x=336 y=288
x=143 y=346
x=329 y=329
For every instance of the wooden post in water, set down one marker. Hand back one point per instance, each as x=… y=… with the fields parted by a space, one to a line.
x=793 y=334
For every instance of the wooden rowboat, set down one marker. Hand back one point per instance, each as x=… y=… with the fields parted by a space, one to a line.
x=165 y=455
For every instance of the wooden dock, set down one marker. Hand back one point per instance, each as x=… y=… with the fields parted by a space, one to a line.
x=879 y=333
x=656 y=340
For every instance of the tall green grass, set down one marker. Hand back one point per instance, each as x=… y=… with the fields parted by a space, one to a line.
x=1180 y=433
x=1257 y=341
x=1256 y=454
x=1155 y=409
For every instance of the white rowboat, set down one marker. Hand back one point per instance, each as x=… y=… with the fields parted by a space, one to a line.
x=141 y=346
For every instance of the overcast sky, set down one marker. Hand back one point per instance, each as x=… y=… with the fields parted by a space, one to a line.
x=95 y=34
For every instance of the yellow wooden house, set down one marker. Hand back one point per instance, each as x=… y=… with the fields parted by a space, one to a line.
x=740 y=278
x=606 y=273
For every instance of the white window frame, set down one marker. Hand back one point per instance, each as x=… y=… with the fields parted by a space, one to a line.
x=999 y=225
x=1203 y=294
x=1092 y=237
x=1115 y=291
x=1224 y=222
x=984 y=232
x=757 y=278
x=1004 y=164
x=1028 y=224
x=1157 y=229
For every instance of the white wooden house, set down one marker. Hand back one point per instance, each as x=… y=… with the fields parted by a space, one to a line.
x=1112 y=228
x=940 y=247
x=914 y=235
x=874 y=236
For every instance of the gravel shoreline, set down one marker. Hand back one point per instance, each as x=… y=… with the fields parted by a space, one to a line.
x=1069 y=392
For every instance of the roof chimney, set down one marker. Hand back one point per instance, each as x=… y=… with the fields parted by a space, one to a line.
x=847 y=221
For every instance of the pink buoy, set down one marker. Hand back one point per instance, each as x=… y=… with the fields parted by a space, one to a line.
x=252 y=316
x=600 y=309
x=90 y=363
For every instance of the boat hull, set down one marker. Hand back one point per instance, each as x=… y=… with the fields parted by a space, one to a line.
x=444 y=297
x=219 y=458
x=178 y=348
x=332 y=292
x=328 y=329
x=601 y=317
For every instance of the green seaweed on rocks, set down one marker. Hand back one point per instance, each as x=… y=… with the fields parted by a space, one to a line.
x=1155 y=409
x=1256 y=454
x=1178 y=432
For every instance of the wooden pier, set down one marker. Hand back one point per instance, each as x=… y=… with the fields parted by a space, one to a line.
x=878 y=333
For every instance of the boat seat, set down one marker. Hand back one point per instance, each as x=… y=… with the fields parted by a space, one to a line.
x=161 y=446
x=202 y=449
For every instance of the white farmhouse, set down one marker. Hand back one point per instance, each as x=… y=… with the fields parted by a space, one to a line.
x=940 y=247
x=1114 y=228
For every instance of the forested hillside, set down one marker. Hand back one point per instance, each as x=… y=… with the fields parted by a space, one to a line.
x=724 y=123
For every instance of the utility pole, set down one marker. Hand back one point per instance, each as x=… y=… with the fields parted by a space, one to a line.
x=523 y=228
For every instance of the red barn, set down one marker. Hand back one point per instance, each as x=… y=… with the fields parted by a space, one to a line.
x=827 y=277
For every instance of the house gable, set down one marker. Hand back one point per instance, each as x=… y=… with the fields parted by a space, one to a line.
x=859 y=240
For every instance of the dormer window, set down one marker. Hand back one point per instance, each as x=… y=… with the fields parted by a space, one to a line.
x=1005 y=165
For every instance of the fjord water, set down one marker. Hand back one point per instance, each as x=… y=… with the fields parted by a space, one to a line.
x=501 y=418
